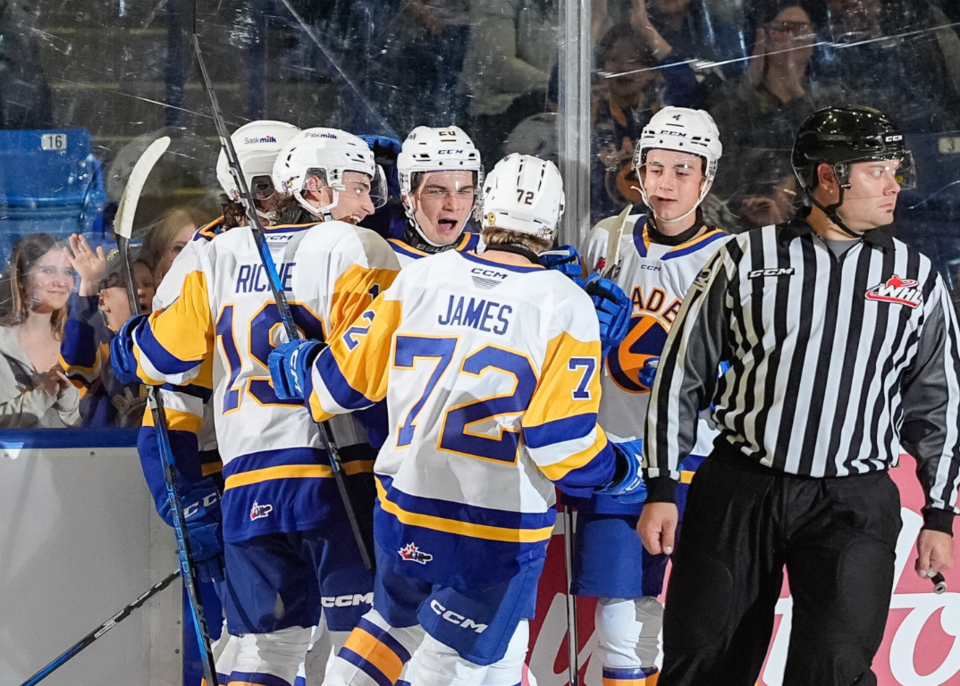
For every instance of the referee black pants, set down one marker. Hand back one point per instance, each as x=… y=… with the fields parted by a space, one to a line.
x=743 y=525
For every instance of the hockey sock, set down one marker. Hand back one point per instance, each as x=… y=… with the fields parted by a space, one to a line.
x=374 y=654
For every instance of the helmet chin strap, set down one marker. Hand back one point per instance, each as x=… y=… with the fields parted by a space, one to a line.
x=324 y=211
x=832 y=215
x=646 y=201
x=420 y=234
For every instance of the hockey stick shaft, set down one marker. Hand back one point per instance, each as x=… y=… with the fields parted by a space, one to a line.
x=573 y=642
x=84 y=642
x=188 y=568
x=276 y=288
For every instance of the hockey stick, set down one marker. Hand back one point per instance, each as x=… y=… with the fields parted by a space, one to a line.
x=123 y=229
x=276 y=287
x=573 y=641
x=609 y=265
x=73 y=650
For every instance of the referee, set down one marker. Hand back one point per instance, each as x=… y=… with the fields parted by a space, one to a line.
x=844 y=347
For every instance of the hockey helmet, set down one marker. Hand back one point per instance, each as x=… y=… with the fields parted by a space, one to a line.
x=257 y=145
x=524 y=194
x=684 y=130
x=328 y=153
x=842 y=136
x=442 y=149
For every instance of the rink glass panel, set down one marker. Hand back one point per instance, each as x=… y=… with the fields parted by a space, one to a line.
x=86 y=86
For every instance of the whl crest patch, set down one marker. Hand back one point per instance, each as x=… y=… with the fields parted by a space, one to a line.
x=897 y=291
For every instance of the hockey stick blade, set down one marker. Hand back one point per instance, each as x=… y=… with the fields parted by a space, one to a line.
x=276 y=288
x=123 y=223
x=84 y=642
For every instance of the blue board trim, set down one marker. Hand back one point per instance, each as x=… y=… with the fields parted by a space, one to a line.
x=69 y=438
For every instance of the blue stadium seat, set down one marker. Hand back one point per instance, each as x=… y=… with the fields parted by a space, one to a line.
x=49 y=182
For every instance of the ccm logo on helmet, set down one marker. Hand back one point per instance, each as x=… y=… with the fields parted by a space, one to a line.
x=347 y=600
x=455 y=618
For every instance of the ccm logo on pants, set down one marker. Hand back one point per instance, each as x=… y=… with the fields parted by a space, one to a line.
x=348 y=600
x=454 y=618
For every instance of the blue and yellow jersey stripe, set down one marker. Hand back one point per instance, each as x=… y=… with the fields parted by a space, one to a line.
x=641 y=239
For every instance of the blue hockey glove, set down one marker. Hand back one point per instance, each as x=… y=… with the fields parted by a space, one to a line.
x=290 y=368
x=565 y=260
x=627 y=485
x=648 y=372
x=613 y=310
x=383 y=146
x=121 y=351
x=201 y=509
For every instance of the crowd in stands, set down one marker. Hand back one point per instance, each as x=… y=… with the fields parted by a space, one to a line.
x=760 y=68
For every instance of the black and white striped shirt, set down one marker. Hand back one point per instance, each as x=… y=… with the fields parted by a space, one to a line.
x=835 y=363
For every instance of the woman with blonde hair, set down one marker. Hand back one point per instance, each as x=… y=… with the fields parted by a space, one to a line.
x=34 y=392
x=166 y=239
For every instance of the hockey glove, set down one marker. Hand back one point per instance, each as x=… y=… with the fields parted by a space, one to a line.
x=121 y=351
x=201 y=510
x=627 y=485
x=565 y=260
x=613 y=310
x=290 y=367
x=648 y=372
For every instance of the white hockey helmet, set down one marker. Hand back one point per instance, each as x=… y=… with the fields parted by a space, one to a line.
x=524 y=194
x=257 y=145
x=441 y=149
x=684 y=130
x=332 y=152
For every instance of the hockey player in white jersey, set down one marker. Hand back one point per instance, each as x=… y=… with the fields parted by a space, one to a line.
x=188 y=410
x=440 y=175
x=489 y=366
x=657 y=259
x=288 y=545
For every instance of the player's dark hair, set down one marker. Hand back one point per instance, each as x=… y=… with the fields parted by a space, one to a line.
x=233 y=212
x=14 y=295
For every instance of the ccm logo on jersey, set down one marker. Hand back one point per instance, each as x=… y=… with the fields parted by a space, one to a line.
x=411 y=553
x=259 y=511
x=455 y=618
x=492 y=273
x=347 y=600
x=897 y=291
x=764 y=273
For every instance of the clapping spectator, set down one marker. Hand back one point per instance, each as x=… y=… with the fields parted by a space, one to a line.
x=639 y=74
x=34 y=391
x=100 y=309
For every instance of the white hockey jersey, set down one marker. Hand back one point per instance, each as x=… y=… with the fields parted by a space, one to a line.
x=490 y=377
x=656 y=278
x=270 y=447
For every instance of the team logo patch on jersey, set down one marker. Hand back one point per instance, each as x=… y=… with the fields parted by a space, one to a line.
x=411 y=553
x=259 y=511
x=897 y=291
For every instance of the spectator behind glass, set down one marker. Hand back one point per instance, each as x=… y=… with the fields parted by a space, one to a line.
x=100 y=308
x=696 y=35
x=762 y=109
x=34 y=391
x=512 y=45
x=908 y=77
x=166 y=239
x=631 y=89
x=767 y=192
